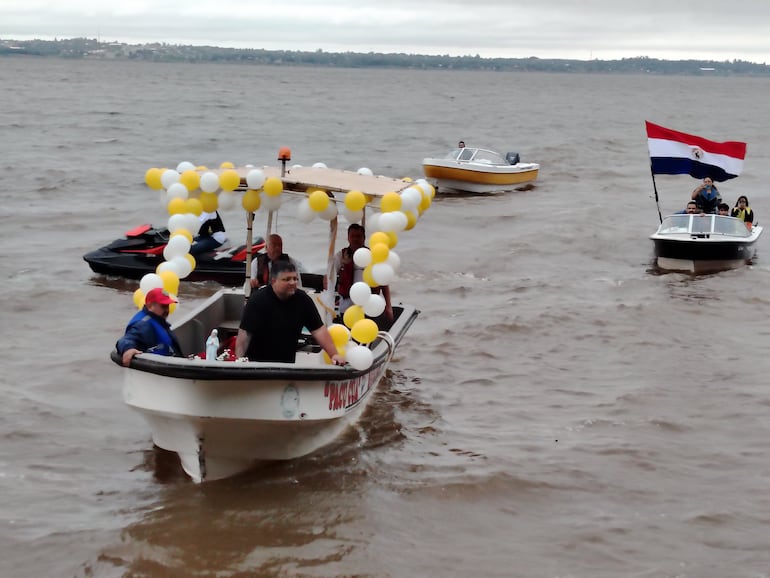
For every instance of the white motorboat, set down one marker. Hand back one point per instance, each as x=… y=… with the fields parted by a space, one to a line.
x=223 y=417
x=701 y=243
x=476 y=170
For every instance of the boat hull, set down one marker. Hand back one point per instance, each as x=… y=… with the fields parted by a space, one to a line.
x=224 y=417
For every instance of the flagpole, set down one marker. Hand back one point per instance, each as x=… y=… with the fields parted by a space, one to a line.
x=655 y=188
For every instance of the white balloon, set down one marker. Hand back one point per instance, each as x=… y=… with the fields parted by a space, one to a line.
x=185 y=166
x=168 y=178
x=177 y=191
x=391 y=222
x=271 y=203
x=393 y=260
x=410 y=199
x=319 y=165
x=182 y=265
x=359 y=357
x=255 y=179
x=150 y=281
x=362 y=257
x=177 y=246
x=168 y=266
x=365 y=171
x=360 y=293
x=400 y=221
x=329 y=212
x=382 y=273
x=226 y=199
x=209 y=182
x=373 y=222
x=192 y=223
x=305 y=213
x=375 y=306
x=352 y=216
x=177 y=221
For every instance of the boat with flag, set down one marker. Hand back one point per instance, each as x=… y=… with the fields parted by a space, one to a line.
x=700 y=242
x=226 y=415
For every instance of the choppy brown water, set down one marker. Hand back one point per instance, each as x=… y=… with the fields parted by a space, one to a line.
x=558 y=409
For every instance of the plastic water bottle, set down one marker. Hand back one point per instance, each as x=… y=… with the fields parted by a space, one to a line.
x=212 y=346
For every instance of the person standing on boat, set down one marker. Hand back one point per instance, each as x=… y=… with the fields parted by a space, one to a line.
x=743 y=212
x=273 y=319
x=461 y=144
x=210 y=235
x=707 y=196
x=691 y=208
x=148 y=331
x=348 y=272
x=263 y=262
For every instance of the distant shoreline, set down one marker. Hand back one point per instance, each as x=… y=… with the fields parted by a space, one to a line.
x=90 y=48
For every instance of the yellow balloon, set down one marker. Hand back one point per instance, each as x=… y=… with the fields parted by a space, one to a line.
x=191 y=260
x=318 y=201
x=380 y=252
x=176 y=206
x=390 y=202
x=172 y=307
x=392 y=239
x=411 y=220
x=328 y=360
x=355 y=200
x=209 y=201
x=193 y=206
x=251 y=200
x=229 y=180
x=367 y=275
x=378 y=237
x=340 y=334
x=353 y=314
x=190 y=179
x=170 y=281
x=152 y=178
x=273 y=186
x=364 y=331
x=425 y=203
x=139 y=298
x=185 y=233
x=227 y=165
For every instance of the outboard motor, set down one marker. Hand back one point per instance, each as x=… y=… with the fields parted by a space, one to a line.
x=512 y=158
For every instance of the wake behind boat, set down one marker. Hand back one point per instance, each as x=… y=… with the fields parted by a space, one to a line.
x=224 y=416
x=476 y=170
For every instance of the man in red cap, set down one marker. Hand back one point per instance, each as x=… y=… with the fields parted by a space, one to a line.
x=148 y=331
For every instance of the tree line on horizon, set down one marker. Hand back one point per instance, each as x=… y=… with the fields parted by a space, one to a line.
x=162 y=52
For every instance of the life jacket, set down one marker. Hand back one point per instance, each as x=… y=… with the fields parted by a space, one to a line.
x=165 y=345
x=742 y=214
x=211 y=226
x=263 y=267
x=345 y=277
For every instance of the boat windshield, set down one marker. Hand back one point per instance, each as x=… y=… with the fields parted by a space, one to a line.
x=489 y=157
x=703 y=224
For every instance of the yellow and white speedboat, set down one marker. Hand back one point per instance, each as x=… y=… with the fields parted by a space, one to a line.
x=476 y=170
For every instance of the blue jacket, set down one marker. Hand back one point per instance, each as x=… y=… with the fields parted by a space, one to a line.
x=149 y=333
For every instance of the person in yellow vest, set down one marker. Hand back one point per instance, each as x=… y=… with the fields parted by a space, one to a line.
x=743 y=212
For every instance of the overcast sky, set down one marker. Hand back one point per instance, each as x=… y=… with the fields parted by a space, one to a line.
x=579 y=29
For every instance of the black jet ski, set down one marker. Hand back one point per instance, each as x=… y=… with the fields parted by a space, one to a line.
x=140 y=252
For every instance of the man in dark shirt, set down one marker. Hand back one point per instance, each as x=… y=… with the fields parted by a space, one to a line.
x=273 y=319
